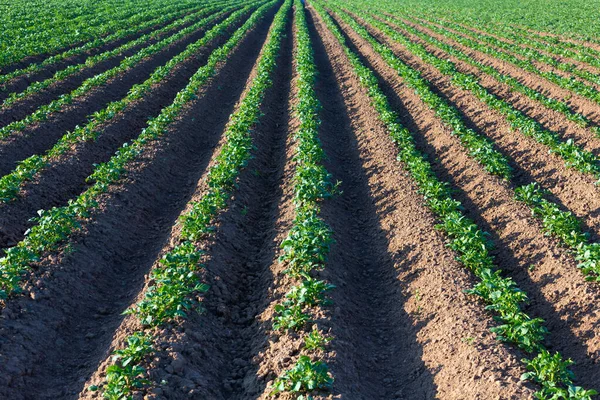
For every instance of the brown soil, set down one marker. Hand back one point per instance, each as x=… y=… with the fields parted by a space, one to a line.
x=65 y=177
x=542 y=66
x=549 y=119
x=53 y=324
x=392 y=269
x=580 y=64
x=229 y=331
x=557 y=289
x=21 y=83
x=579 y=103
x=576 y=191
x=401 y=324
x=41 y=136
x=41 y=57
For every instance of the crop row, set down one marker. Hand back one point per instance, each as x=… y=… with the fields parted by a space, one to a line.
x=37 y=87
x=478 y=146
x=547 y=40
x=534 y=56
x=47 y=37
x=576 y=86
x=43 y=112
x=150 y=21
x=566 y=226
x=11 y=183
x=575 y=19
x=57 y=225
x=548 y=102
x=176 y=282
x=549 y=44
x=306 y=247
x=465 y=238
x=587 y=255
x=573 y=155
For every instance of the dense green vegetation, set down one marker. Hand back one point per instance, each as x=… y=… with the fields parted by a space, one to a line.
x=572 y=18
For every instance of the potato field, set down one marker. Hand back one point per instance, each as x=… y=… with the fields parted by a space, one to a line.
x=299 y=199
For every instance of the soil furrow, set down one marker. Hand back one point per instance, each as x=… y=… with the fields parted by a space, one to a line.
x=119 y=84
x=402 y=325
x=65 y=177
x=576 y=191
x=549 y=119
x=213 y=354
x=540 y=65
x=41 y=57
x=21 y=83
x=581 y=104
x=40 y=136
x=566 y=59
x=558 y=291
x=76 y=299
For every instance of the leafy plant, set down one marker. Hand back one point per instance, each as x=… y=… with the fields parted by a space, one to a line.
x=470 y=243
x=175 y=282
x=315 y=340
x=304 y=377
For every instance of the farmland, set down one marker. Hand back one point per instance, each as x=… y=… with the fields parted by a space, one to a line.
x=288 y=199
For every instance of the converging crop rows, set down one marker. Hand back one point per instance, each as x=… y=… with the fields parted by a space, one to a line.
x=297 y=199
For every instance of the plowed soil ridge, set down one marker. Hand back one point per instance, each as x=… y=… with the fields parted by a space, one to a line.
x=41 y=57
x=400 y=291
x=231 y=332
x=215 y=354
x=65 y=177
x=519 y=241
x=580 y=103
x=19 y=84
x=549 y=119
x=42 y=135
x=75 y=302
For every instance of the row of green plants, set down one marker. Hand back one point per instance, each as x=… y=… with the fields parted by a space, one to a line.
x=573 y=155
x=150 y=20
x=56 y=226
x=71 y=18
x=586 y=254
x=71 y=70
x=548 y=40
x=50 y=37
x=73 y=21
x=531 y=54
x=573 y=19
x=534 y=94
x=42 y=113
x=21 y=39
x=504 y=298
x=176 y=281
x=26 y=170
x=551 y=44
x=306 y=247
x=478 y=146
x=564 y=225
x=568 y=83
